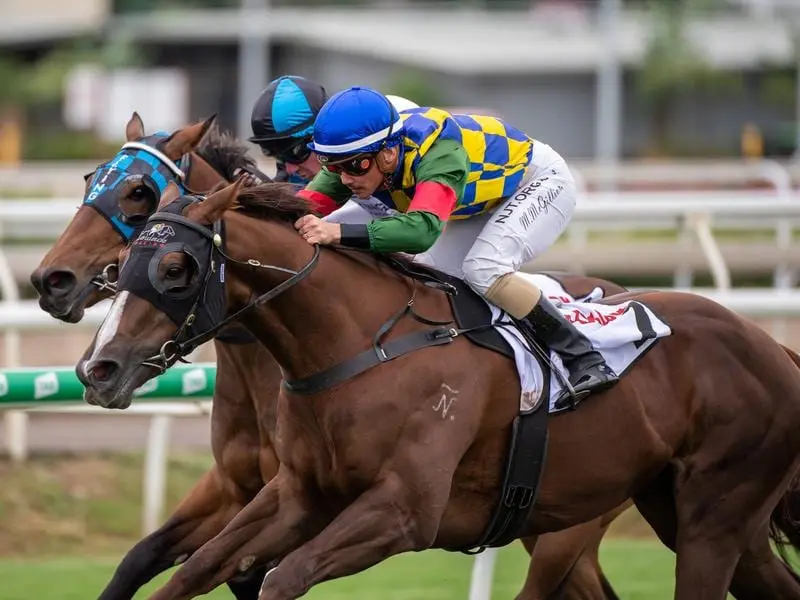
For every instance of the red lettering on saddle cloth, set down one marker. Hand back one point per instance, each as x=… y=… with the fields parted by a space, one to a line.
x=577 y=316
x=562 y=299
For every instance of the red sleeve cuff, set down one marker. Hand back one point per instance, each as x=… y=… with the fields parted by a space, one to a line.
x=434 y=197
x=323 y=204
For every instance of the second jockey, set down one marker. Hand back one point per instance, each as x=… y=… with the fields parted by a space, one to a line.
x=476 y=198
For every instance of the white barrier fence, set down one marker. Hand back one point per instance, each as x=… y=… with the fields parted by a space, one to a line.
x=696 y=214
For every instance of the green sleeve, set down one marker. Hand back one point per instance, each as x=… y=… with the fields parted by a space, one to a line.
x=447 y=163
x=331 y=185
x=412 y=232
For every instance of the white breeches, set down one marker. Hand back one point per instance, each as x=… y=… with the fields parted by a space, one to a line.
x=486 y=247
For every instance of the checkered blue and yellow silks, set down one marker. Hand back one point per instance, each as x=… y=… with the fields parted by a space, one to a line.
x=498 y=154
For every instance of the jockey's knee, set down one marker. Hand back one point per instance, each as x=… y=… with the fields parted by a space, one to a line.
x=501 y=285
x=481 y=273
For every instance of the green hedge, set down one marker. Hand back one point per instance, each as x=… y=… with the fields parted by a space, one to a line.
x=67 y=145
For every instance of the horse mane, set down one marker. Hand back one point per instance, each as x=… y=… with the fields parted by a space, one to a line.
x=224 y=152
x=278 y=201
x=273 y=201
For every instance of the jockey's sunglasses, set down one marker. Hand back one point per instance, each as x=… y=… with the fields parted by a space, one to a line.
x=294 y=151
x=357 y=165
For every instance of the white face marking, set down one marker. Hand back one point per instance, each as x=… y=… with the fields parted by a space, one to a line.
x=109 y=327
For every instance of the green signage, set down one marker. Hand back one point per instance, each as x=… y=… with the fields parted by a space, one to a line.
x=59 y=384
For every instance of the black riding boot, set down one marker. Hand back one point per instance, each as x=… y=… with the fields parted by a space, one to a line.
x=588 y=371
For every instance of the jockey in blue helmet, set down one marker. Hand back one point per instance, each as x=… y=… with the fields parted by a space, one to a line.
x=503 y=196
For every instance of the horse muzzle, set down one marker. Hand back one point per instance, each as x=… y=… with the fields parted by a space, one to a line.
x=60 y=293
x=110 y=381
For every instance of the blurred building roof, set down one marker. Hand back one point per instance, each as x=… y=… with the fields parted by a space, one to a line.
x=462 y=41
x=43 y=20
x=468 y=41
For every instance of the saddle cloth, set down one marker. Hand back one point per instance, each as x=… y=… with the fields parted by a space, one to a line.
x=621 y=333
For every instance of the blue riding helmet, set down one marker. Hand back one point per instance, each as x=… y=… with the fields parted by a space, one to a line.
x=357 y=120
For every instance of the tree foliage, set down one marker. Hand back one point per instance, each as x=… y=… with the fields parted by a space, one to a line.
x=29 y=83
x=674 y=64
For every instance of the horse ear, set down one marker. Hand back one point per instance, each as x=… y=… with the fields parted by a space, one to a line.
x=135 y=128
x=187 y=139
x=220 y=185
x=214 y=206
x=172 y=192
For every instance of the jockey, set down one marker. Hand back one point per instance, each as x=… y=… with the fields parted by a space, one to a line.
x=283 y=122
x=476 y=197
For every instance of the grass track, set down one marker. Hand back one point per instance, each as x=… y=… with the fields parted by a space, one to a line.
x=639 y=570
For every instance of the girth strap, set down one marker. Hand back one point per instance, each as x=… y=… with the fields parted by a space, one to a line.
x=525 y=463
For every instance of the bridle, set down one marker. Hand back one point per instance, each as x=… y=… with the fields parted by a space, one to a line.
x=182 y=342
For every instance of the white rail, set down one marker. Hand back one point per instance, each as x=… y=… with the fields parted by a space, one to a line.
x=695 y=213
x=753 y=302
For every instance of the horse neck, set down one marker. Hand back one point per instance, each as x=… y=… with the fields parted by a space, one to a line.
x=202 y=176
x=322 y=320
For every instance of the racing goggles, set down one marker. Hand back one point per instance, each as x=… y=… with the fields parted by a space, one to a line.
x=355 y=165
x=294 y=151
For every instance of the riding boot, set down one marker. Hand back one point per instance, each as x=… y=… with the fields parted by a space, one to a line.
x=588 y=371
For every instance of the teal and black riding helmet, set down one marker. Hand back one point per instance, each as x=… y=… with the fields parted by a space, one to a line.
x=283 y=118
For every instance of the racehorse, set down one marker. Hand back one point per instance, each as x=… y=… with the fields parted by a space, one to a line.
x=75 y=274
x=700 y=432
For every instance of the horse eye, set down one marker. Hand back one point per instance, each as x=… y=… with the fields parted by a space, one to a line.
x=174 y=272
x=138 y=193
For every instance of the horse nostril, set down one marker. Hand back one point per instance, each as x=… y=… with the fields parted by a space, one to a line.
x=36 y=280
x=58 y=283
x=102 y=371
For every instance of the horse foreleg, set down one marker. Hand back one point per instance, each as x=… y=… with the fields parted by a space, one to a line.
x=275 y=522
x=201 y=516
x=383 y=521
x=564 y=565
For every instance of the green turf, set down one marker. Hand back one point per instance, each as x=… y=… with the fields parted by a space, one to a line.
x=638 y=569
